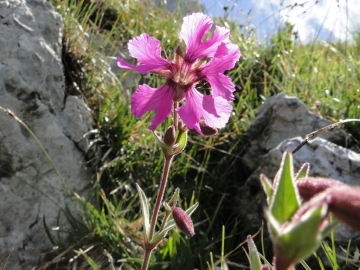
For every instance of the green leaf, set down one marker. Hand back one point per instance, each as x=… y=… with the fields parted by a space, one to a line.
x=303 y=172
x=255 y=262
x=144 y=210
x=267 y=187
x=171 y=224
x=90 y=261
x=285 y=200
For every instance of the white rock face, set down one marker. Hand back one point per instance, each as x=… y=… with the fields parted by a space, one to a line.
x=32 y=86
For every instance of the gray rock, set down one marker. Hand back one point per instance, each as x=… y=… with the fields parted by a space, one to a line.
x=280 y=119
x=32 y=86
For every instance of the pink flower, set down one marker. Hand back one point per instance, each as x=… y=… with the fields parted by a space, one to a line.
x=204 y=60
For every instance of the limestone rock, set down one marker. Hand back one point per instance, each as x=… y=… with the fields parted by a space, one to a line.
x=282 y=117
x=32 y=86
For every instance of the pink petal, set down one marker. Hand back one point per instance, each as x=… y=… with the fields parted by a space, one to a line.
x=215 y=110
x=221 y=35
x=146 y=99
x=221 y=86
x=194 y=27
x=220 y=63
x=213 y=71
x=192 y=32
x=221 y=51
x=147 y=51
x=196 y=48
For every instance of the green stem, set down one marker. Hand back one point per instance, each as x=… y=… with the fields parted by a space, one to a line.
x=176 y=121
x=159 y=198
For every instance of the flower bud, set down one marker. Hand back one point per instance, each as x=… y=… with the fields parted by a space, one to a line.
x=310 y=186
x=183 y=221
x=206 y=130
x=169 y=137
x=344 y=204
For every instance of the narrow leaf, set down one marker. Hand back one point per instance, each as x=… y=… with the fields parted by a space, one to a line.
x=144 y=210
x=90 y=261
x=255 y=263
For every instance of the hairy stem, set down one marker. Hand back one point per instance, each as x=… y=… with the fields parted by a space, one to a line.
x=146 y=260
x=160 y=195
x=159 y=198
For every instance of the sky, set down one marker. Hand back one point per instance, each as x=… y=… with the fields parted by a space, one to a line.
x=328 y=20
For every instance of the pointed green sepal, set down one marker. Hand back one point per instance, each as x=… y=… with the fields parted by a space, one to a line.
x=304 y=171
x=255 y=262
x=285 y=200
x=144 y=210
x=171 y=224
x=267 y=187
x=181 y=142
x=168 y=150
x=273 y=224
x=174 y=199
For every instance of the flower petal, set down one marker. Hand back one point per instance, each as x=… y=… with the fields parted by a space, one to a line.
x=147 y=51
x=221 y=35
x=194 y=28
x=220 y=63
x=146 y=99
x=221 y=86
x=215 y=110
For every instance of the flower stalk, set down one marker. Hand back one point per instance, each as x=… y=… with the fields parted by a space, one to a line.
x=159 y=198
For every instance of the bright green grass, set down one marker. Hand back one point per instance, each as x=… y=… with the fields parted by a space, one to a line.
x=209 y=169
